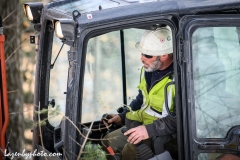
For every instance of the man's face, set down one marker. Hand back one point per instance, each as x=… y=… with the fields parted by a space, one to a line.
x=151 y=63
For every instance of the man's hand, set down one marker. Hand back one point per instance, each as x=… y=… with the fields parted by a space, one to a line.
x=115 y=118
x=137 y=134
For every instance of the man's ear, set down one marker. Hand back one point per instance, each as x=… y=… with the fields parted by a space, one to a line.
x=164 y=57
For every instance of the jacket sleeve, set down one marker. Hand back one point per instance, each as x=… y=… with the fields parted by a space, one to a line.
x=135 y=105
x=164 y=126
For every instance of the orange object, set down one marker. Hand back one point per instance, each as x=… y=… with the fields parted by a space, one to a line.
x=4 y=116
x=110 y=150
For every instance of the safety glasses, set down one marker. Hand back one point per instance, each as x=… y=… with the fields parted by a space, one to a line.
x=147 y=56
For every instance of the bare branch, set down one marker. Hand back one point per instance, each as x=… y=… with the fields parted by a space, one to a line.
x=14 y=51
x=85 y=140
x=40 y=130
x=12 y=91
x=9 y=15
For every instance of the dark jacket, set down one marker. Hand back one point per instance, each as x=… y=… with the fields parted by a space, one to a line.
x=163 y=126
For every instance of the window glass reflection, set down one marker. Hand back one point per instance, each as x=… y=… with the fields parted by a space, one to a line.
x=216 y=72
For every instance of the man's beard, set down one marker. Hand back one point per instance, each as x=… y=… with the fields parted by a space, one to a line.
x=154 y=66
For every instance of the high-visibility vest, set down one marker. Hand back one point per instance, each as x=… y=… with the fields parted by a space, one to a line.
x=153 y=106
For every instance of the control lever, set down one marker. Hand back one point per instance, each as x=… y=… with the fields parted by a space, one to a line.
x=123 y=130
x=106 y=117
x=120 y=109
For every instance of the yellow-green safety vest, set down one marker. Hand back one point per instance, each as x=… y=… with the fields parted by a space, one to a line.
x=153 y=106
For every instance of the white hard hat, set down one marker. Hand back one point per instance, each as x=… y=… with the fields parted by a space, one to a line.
x=156 y=43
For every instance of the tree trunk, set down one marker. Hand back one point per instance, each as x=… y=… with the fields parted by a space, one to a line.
x=11 y=27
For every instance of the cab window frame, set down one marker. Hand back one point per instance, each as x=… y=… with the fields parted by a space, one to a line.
x=94 y=31
x=188 y=25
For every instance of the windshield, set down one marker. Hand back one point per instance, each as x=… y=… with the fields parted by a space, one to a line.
x=103 y=80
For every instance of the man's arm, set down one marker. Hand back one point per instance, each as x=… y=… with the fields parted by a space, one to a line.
x=160 y=127
x=135 y=105
x=164 y=126
x=120 y=118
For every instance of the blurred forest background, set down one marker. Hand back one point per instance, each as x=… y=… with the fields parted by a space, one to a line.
x=20 y=61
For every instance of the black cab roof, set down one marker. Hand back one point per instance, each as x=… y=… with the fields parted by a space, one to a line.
x=178 y=6
x=108 y=10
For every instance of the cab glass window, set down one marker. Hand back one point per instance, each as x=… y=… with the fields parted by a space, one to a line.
x=216 y=74
x=104 y=69
x=58 y=82
x=133 y=62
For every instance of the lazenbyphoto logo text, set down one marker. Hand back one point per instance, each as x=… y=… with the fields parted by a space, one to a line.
x=29 y=155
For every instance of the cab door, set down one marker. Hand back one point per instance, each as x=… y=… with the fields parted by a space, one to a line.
x=211 y=111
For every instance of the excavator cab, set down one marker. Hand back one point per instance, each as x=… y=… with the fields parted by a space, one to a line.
x=88 y=66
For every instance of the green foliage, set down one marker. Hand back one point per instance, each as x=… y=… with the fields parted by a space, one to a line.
x=43 y=111
x=41 y=123
x=52 y=112
x=93 y=152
